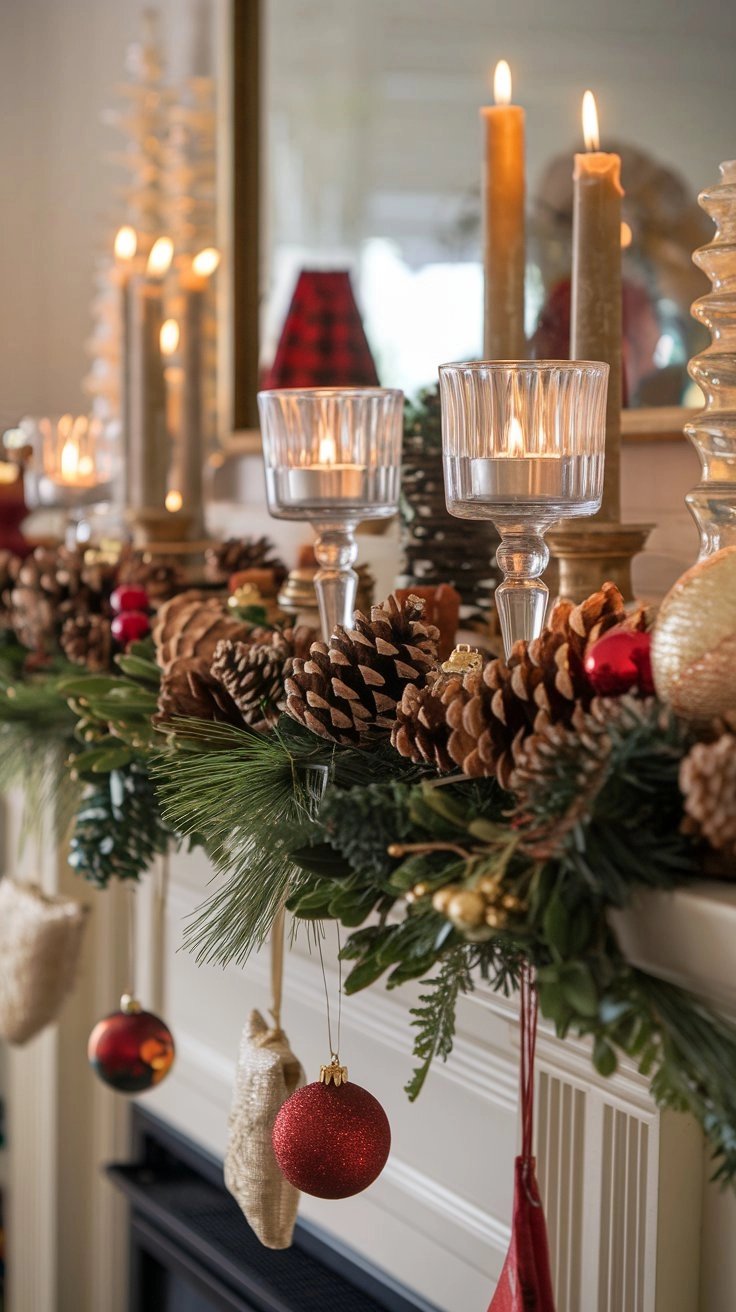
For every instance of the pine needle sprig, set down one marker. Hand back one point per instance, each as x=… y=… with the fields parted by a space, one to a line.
x=251 y=801
x=434 y=1018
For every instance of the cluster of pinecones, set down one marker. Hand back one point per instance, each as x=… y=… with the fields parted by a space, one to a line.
x=216 y=667
x=53 y=596
x=480 y=720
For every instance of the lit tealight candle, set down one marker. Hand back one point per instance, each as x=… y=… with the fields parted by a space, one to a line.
x=521 y=471
x=327 y=481
x=503 y=222
x=597 y=237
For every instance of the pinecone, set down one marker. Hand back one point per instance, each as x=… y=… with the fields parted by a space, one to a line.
x=161 y=579
x=254 y=672
x=190 y=691
x=477 y=721
x=51 y=586
x=349 y=689
x=421 y=731
x=708 y=785
x=192 y=624
x=87 y=640
x=570 y=762
x=236 y=554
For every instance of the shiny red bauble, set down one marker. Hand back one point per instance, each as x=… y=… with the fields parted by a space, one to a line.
x=130 y=626
x=131 y=1050
x=331 y=1141
x=128 y=597
x=620 y=662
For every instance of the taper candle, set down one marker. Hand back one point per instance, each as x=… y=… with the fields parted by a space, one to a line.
x=149 y=445
x=125 y=247
x=596 y=285
x=504 y=251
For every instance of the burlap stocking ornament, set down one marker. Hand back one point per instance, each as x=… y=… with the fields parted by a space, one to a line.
x=526 y=1283
x=268 y=1073
x=40 y=942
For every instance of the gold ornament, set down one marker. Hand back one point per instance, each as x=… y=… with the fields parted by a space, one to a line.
x=694 y=639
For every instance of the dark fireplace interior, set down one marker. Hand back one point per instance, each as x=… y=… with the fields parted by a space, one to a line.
x=191 y=1249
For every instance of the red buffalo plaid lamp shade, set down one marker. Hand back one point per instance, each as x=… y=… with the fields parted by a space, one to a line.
x=323 y=343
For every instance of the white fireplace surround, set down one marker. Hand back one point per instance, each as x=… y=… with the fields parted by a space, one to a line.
x=634 y=1225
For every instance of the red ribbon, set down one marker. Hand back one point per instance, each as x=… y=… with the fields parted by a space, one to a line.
x=526 y=1283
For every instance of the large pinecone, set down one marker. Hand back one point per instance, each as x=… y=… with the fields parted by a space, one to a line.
x=254 y=673
x=708 y=785
x=191 y=625
x=350 y=689
x=474 y=722
x=236 y=554
x=87 y=640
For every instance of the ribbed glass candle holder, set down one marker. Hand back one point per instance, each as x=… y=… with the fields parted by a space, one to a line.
x=523 y=446
x=332 y=457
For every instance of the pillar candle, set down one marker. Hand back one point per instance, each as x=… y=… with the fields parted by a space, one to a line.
x=125 y=247
x=194 y=282
x=148 y=441
x=503 y=223
x=596 y=286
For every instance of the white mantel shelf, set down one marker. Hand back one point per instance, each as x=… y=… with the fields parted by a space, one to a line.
x=687 y=937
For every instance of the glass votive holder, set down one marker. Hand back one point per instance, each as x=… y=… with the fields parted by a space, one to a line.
x=523 y=446
x=332 y=457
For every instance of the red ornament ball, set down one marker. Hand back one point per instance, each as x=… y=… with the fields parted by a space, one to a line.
x=331 y=1141
x=128 y=597
x=130 y=626
x=620 y=662
x=131 y=1050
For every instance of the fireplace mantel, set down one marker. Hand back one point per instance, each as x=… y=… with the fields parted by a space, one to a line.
x=687 y=937
x=624 y=1185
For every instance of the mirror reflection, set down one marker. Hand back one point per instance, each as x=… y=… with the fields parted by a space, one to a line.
x=373 y=162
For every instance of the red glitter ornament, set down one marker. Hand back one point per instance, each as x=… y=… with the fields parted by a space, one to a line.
x=619 y=662
x=127 y=597
x=331 y=1139
x=131 y=1050
x=130 y=626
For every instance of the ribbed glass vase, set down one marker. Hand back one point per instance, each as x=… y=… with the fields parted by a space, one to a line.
x=713 y=430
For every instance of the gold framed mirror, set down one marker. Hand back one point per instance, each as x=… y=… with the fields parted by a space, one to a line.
x=379 y=30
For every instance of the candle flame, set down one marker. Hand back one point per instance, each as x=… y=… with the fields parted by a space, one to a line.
x=502 y=83
x=86 y=467
x=205 y=262
x=174 y=501
x=590 y=122
x=126 y=242
x=515 y=438
x=159 y=261
x=169 y=337
x=627 y=235
x=327 y=450
x=69 y=462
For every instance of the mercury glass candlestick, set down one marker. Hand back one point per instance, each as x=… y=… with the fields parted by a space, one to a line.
x=332 y=457
x=523 y=445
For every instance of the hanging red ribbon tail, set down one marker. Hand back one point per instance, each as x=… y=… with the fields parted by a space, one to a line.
x=526 y=1282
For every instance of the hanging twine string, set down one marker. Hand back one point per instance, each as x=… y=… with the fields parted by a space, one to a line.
x=334 y=1050
x=277 y=964
x=131 y=891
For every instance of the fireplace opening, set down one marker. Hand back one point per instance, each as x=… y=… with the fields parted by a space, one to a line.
x=191 y=1249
